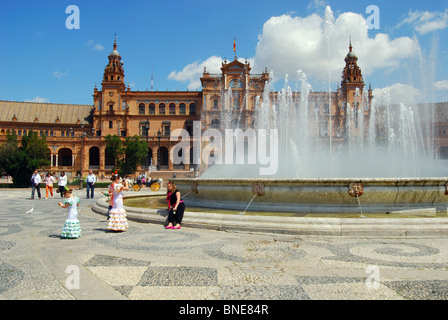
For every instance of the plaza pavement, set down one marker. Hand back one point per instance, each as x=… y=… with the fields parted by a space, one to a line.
x=198 y=264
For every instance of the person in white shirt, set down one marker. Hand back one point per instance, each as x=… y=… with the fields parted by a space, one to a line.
x=62 y=182
x=49 y=180
x=35 y=184
x=90 y=180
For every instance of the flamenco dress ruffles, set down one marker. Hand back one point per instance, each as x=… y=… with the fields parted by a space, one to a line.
x=117 y=220
x=72 y=227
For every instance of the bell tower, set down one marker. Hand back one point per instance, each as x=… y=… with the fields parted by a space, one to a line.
x=109 y=101
x=352 y=80
x=352 y=92
x=114 y=71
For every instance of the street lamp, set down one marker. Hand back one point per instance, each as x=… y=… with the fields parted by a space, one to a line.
x=159 y=136
x=147 y=136
x=83 y=134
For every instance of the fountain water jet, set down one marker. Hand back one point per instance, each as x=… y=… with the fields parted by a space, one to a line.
x=386 y=147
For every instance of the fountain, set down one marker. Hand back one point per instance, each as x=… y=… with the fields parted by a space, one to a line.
x=391 y=161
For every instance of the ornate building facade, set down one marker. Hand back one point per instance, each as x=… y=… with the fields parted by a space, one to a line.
x=76 y=133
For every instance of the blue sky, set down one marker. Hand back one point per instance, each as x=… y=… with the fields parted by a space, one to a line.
x=42 y=60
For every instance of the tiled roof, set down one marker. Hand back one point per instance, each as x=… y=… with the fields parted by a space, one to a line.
x=45 y=112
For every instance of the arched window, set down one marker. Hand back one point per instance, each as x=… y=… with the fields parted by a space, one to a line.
x=235 y=83
x=216 y=124
x=193 y=108
x=141 y=108
x=182 y=108
x=65 y=157
x=163 y=158
x=172 y=108
x=152 y=108
x=94 y=158
x=162 y=108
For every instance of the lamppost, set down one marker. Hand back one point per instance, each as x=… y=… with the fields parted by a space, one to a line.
x=147 y=136
x=83 y=134
x=159 y=136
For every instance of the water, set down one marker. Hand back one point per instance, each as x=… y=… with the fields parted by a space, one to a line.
x=248 y=205
x=381 y=140
x=377 y=140
x=360 y=208
x=185 y=195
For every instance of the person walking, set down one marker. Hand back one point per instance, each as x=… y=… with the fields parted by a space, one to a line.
x=49 y=180
x=72 y=227
x=90 y=180
x=62 y=182
x=176 y=213
x=117 y=215
x=35 y=184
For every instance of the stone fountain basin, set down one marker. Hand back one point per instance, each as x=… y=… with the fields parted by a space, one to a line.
x=316 y=195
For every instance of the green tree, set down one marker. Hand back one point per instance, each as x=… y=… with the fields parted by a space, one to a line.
x=135 y=149
x=19 y=161
x=125 y=155
x=114 y=150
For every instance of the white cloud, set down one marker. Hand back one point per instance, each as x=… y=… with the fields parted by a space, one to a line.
x=39 y=100
x=426 y=21
x=95 y=46
x=397 y=93
x=317 y=4
x=317 y=45
x=58 y=74
x=441 y=85
x=193 y=72
x=98 y=47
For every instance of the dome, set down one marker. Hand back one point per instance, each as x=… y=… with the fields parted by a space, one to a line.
x=351 y=54
x=115 y=52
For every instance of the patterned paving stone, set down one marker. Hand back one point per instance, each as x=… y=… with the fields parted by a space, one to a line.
x=263 y=292
x=104 y=260
x=10 y=277
x=149 y=262
x=179 y=276
x=420 y=290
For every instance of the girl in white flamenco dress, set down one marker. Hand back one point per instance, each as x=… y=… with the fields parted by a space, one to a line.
x=117 y=219
x=72 y=228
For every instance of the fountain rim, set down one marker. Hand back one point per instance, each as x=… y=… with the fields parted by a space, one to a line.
x=313 y=180
x=334 y=227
